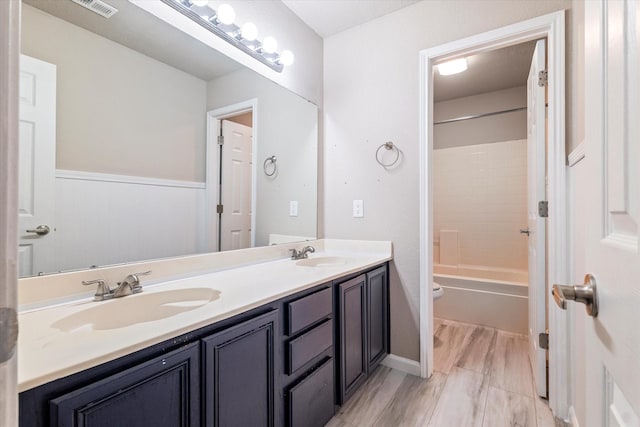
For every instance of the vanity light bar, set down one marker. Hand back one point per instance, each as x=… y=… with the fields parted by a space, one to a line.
x=221 y=24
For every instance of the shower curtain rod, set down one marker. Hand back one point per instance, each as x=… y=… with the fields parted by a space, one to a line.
x=459 y=119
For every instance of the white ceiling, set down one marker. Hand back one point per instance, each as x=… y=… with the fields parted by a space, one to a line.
x=487 y=72
x=329 y=17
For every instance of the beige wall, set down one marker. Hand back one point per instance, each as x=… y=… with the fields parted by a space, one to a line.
x=502 y=127
x=118 y=111
x=371 y=94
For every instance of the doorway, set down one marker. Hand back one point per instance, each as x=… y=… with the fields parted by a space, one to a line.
x=551 y=28
x=231 y=176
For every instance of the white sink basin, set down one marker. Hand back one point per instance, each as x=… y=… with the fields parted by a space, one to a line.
x=322 y=261
x=138 y=308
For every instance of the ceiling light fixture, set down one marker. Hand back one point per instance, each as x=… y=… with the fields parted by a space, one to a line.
x=245 y=38
x=452 y=67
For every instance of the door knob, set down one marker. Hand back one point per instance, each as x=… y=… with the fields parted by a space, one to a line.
x=586 y=294
x=525 y=231
x=40 y=230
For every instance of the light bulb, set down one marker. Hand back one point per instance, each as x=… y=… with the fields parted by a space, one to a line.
x=269 y=44
x=286 y=58
x=249 y=31
x=226 y=14
x=452 y=67
x=200 y=3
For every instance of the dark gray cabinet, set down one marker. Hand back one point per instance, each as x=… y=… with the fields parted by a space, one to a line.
x=239 y=374
x=352 y=330
x=288 y=362
x=164 y=391
x=308 y=377
x=363 y=328
x=377 y=317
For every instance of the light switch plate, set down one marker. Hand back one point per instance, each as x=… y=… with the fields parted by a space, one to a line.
x=293 y=208
x=358 y=209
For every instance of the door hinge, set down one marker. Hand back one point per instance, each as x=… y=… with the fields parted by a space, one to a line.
x=219 y=209
x=543 y=340
x=543 y=209
x=542 y=78
x=220 y=140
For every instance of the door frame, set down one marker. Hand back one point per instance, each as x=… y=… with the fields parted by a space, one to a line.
x=214 y=125
x=9 y=149
x=551 y=26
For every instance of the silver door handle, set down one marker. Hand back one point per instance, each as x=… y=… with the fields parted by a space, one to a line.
x=586 y=294
x=525 y=231
x=40 y=230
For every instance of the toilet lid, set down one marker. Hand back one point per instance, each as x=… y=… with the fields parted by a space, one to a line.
x=436 y=286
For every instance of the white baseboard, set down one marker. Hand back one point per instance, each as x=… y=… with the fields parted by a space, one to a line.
x=402 y=364
x=573 y=418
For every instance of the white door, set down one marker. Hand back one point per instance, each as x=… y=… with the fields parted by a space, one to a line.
x=37 y=165
x=612 y=125
x=235 y=221
x=536 y=192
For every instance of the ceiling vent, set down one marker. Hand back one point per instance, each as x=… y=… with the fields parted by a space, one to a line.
x=98 y=6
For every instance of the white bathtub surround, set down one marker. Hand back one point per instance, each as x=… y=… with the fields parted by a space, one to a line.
x=241 y=280
x=489 y=297
x=481 y=191
x=449 y=249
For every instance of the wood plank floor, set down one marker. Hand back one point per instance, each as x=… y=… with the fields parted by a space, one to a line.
x=482 y=377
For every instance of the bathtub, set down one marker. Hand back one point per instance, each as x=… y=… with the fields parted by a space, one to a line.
x=492 y=297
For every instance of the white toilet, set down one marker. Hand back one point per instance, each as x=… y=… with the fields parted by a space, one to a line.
x=438 y=292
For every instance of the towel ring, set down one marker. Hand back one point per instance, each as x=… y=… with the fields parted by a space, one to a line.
x=270 y=161
x=387 y=146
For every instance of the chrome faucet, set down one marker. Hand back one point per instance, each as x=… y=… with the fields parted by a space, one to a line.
x=130 y=285
x=302 y=253
x=103 y=291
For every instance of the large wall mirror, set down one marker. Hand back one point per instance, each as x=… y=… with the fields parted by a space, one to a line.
x=119 y=152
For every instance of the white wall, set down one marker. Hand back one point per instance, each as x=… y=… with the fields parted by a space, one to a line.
x=481 y=192
x=287 y=128
x=371 y=93
x=102 y=222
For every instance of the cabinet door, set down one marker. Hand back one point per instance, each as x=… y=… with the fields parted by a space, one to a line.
x=160 y=392
x=352 y=330
x=377 y=317
x=239 y=365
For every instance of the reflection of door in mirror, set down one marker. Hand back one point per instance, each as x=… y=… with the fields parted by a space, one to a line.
x=37 y=165
x=235 y=185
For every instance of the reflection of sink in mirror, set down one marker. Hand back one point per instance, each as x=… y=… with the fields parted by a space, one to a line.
x=140 y=308
x=323 y=261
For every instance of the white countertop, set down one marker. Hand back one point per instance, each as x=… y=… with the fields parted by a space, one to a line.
x=47 y=351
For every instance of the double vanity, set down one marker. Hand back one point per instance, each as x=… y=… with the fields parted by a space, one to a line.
x=259 y=339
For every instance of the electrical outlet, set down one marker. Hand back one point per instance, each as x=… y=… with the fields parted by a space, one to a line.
x=293 y=208
x=358 y=209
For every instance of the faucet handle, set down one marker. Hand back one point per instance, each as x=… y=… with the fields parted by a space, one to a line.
x=134 y=280
x=103 y=291
x=294 y=253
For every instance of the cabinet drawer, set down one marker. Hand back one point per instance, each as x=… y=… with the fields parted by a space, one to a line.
x=308 y=310
x=311 y=401
x=309 y=345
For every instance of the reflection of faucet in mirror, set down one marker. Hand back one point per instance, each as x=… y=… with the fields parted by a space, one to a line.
x=302 y=253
